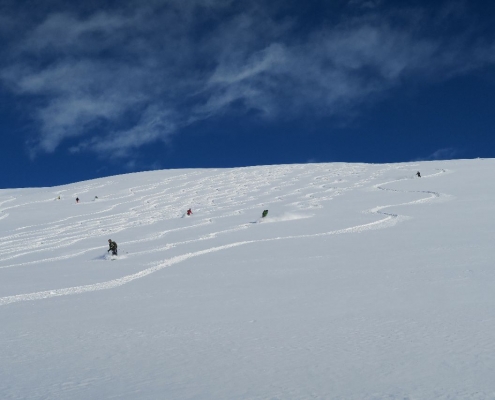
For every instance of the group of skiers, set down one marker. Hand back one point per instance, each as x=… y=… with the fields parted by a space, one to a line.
x=112 y=246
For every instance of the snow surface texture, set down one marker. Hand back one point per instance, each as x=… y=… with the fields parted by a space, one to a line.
x=363 y=282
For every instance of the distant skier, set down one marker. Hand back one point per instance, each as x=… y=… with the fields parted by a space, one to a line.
x=265 y=213
x=418 y=174
x=112 y=247
x=189 y=212
x=77 y=199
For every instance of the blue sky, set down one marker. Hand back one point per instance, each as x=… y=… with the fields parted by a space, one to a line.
x=103 y=88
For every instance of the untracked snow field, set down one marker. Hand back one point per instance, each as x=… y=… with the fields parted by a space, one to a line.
x=363 y=282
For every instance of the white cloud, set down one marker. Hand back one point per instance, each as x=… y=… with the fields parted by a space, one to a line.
x=443 y=154
x=75 y=95
x=155 y=124
x=65 y=32
x=446 y=153
x=117 y=80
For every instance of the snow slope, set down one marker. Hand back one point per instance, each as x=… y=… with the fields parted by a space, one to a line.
x=364 y=282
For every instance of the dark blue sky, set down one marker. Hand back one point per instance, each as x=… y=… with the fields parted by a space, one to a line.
x=103 y=88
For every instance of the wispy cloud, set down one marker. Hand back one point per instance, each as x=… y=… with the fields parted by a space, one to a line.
x=122 y=78
x=443 y=154
x=446 y=153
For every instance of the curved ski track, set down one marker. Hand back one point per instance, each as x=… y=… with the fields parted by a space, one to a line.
x=148 y=210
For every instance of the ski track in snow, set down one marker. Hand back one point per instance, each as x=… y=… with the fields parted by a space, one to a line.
x=168 y=197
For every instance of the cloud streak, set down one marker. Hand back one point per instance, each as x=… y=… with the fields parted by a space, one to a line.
x=446 y=153
x=123 y=78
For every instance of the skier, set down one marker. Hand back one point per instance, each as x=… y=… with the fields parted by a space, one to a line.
x=418 y=174
x=189 y=212
x=265 y=213
x=77 y=199
x=112 y=247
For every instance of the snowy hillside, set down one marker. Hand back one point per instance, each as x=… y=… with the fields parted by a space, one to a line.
x=363 y=282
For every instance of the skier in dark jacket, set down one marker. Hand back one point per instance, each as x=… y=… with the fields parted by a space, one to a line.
x=112 y=247
x=418 y=174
